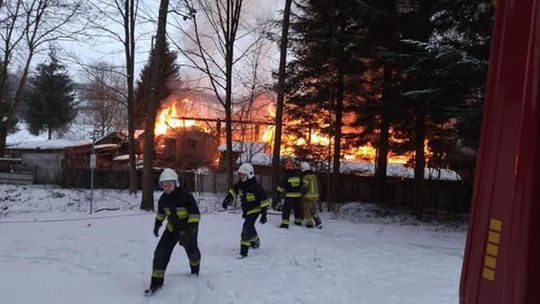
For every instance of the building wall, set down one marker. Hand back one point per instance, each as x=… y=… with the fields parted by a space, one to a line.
x=48 y=165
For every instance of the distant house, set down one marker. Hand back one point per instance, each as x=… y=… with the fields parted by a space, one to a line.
x=46 y=156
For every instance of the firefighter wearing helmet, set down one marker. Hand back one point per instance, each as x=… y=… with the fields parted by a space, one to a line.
x=290 y=186
x=310 y=196
x=254 y=201
x=178 y=206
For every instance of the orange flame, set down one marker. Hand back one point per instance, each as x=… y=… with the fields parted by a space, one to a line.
x=167 y=120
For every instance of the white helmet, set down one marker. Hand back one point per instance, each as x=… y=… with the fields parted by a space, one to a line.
x=247 y=168
x=169 y=175
x=304 y=166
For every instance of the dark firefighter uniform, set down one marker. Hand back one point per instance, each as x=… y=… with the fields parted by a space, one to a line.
x=254 y=201
x=291 y=186
x=183 y=217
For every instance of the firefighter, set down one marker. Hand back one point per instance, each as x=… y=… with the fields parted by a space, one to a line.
x=178 y=206
x=290 y=186
x=310 y=197
x=254 y=201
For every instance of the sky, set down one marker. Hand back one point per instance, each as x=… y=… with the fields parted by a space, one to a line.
x=104 y=49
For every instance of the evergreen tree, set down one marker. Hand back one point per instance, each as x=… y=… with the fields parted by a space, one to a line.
x=326 y=39
x=467 y=26
x=50 y=98
x=8 y=95
x=142 y=92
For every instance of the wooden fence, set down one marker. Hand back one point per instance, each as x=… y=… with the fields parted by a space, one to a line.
x=446 y=195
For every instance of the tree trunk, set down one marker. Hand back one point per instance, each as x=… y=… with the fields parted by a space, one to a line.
x=147 y=202
x=3 y=137
x=276 y=155
x=131 y=150
x=420 y=161
x=6 y=120
x=384 y=136
x=228 y=112
x=335 y=198
x=130 y=66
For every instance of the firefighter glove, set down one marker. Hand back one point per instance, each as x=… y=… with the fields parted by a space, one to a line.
x=263 y=217
x=228 y=199
x=156 y=228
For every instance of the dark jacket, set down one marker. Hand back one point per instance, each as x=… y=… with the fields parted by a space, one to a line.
x=180 y=210
x=290 y=184
x=252 y=196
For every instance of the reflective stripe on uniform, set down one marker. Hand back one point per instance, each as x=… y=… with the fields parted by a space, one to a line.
x=233 y=193
x=294 y=181
x=285 y=222
x=194 y=218
x=254 y=210
x=298 y=221
x=250 y=197
x=255 y=238
x=280 y=189
x=161 y=217
x=265 y=203
x=293 y=194
x=245 y=243
x=196 y=263
x=182 y=213
x=310 y=182
x=170 y=227
x=158 y=273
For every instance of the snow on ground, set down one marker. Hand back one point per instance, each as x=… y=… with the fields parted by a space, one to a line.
x=106 y=257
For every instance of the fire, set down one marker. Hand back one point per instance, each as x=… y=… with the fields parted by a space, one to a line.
x=365 y=152
x=268 y=135
x=167 y=120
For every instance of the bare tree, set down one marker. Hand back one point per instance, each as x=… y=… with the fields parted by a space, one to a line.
x=107 y=26
x=11 y=36
x=36 y=25
x=276 y=155
x=253 y=83
x=223 y=17
x=105 y=96
x=156 y=81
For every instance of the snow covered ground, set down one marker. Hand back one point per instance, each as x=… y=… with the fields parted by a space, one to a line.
x=52 y=251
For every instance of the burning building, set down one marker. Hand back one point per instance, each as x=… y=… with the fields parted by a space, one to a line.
x=190 y=128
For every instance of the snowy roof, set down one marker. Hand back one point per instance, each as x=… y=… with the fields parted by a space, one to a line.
x=106 y=146
x=52 y=144
x=238 y=146
x=23 y=139
x=121 y=157
x=397 y=170
x=260 y=158
x=364 y=168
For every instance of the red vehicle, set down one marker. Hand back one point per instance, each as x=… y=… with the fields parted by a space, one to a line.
x=502 y=256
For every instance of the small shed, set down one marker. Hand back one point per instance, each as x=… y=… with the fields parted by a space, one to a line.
x=45 y=157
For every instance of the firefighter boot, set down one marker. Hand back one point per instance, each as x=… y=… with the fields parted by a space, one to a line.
x=318 y=222
x=195 y=269
x=255 y=242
